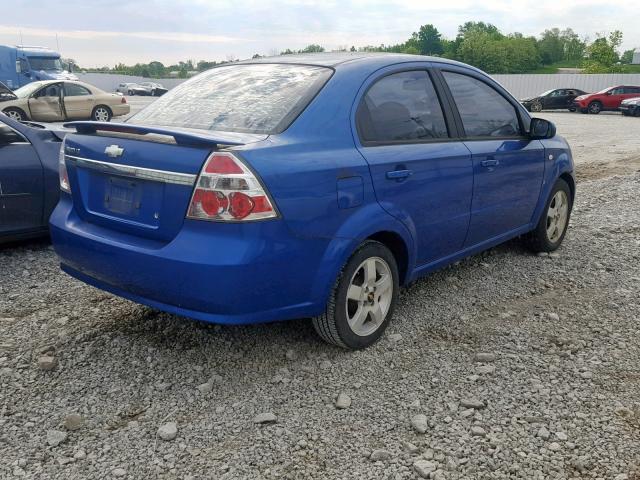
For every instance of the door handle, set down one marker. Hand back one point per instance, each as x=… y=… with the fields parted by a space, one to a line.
x=490 y=162
x=399 y=174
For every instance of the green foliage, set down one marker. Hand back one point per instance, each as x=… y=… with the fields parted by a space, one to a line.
x=477 y=43
x=427 y=41
x=627 y=56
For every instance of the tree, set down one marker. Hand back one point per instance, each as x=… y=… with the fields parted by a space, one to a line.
x=427 y=40
x=551 y=46
x=627 y=56
x=574 y=47
x=313 y=48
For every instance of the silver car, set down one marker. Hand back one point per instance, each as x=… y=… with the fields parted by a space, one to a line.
x=133 y=89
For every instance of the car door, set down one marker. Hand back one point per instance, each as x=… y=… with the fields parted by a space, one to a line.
x=508 y=167
x=45 y=105
x=78 y=101
x=613 y=98
x=21 y=183
x=421 y=175
x=558 y=98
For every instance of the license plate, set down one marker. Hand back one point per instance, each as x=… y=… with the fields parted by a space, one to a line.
x=123 y=197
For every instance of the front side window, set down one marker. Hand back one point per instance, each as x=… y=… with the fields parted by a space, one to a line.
x=484 y=112
x=73 y=90
x=402 y=107
x=617 y=91
x=251 y=98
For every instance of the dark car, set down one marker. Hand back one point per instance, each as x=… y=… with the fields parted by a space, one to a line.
x=307 y=186
x=156 y=89
x=29 y=187
x=630 y=107
x=559 y=98
x=608 y=99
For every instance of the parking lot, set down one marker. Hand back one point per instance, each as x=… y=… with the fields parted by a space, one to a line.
x=555 y=395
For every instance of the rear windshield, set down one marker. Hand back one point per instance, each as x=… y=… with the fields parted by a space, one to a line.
x=254 y=98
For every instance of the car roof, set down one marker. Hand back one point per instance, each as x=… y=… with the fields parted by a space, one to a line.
x=336 y=59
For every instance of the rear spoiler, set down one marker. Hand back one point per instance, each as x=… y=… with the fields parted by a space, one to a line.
x=180 y=136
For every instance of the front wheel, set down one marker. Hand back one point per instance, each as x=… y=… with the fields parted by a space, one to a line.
x=363 y=298
x=595 y=108
x=536 y=107
x=15 y=114
x=552 y=227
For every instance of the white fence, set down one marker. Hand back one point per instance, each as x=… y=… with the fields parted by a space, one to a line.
x=520 y=86
x=528 y=85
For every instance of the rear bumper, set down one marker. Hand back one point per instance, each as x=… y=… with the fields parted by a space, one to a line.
x=214 y=272
x=120 y=109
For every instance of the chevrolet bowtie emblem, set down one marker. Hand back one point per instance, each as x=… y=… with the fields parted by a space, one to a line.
x=114 y=151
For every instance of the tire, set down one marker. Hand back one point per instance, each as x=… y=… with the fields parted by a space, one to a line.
x=536 y=107
x=626 y=114
x=595 y=108
x=584 y=110
x=16 y=114
x=339 y=323
x=101 y=113
x=544 y=238
x=572 y=109
x=636 y=112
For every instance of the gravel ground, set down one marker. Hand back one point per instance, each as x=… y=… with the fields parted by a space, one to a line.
x=505 y=365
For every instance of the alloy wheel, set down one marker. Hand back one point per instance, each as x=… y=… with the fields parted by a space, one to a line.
x=101 y=115
x=369 y=296
x=594 y=108
x=557 y=216
x=14 y=115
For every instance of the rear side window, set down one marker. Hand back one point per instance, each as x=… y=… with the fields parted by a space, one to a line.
x=401 y=107
x=484 y=112
x=254 y=98
x=632 y=90
x=73 y=90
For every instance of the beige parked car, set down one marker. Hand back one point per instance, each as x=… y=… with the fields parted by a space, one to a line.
x=55 y=100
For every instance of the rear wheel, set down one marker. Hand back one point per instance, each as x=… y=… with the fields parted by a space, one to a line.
x=552 y=227
x=572 y=109
x=101 y=113
x=363 y=298
x=15 y=114
x=595 y=108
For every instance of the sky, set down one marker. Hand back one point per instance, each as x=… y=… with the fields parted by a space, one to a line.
x=105 y=32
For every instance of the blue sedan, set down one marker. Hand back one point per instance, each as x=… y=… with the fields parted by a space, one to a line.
x=307 y=186
x=29 y=187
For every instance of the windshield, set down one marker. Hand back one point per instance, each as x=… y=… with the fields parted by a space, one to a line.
x=45 y=63
x=547 y=93
x=252 y=98
x=28 y=89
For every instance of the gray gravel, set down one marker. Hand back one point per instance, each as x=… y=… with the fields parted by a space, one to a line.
x=511 y=365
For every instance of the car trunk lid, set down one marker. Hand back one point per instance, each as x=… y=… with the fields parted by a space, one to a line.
x=138 y=180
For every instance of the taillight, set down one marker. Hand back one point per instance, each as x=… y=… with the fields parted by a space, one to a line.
x=62 y=171
x=227 y=190
x=124 y=100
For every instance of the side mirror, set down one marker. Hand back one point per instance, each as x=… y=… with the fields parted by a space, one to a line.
x=541 y=129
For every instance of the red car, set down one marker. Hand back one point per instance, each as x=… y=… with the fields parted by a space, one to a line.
x=607 y=99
